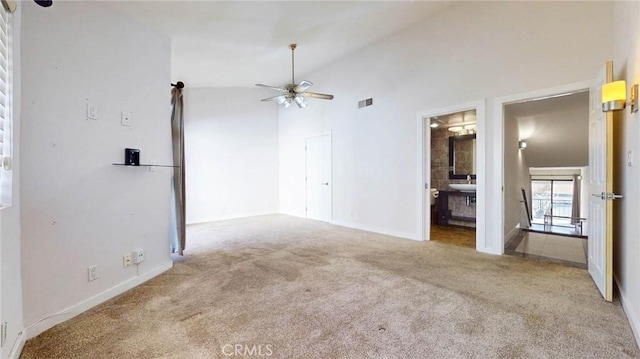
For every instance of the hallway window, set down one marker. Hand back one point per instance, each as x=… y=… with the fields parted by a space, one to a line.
x=552 y=200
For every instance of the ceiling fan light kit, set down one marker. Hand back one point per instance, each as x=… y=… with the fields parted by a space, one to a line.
x=292 y=92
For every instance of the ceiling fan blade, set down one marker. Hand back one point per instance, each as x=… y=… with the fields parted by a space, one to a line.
x=318 y=95
x=272 y=87
x=302 y=86
x=272 y=98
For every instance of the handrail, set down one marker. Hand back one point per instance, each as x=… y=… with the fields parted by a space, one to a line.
x=578 y=225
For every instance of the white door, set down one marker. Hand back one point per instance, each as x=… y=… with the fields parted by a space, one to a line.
x=318 y=177
x=600 y=232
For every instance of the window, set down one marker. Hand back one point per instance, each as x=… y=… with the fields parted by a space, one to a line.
x=553 y=198
x=6 y=102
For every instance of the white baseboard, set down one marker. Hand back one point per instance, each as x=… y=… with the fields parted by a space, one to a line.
x=387 y=232
x=512 y=233
x=237 y=216
x=632 y=316
x=18 y=345
x=70 y=312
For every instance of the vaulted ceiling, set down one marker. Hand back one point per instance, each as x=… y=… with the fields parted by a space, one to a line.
x=240 y=43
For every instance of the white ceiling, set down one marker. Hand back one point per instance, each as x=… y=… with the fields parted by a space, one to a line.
x=240 y=43
x=556 y=130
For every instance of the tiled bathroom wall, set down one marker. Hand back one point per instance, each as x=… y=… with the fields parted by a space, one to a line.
x=440 y=159
x=440 y=173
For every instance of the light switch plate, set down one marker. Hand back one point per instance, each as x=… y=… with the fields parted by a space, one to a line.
x=630 y=158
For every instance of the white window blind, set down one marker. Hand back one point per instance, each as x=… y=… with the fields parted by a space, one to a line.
x=6 y=96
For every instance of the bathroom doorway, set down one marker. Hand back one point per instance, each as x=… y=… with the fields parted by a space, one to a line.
x=453 y=178
x=451 y=165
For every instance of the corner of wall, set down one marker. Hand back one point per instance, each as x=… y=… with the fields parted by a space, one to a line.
x=72 y=311
x=632 y=316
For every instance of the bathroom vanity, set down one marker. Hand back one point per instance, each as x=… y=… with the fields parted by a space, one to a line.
x=457 y=208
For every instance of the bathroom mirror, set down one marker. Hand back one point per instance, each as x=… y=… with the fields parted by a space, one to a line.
x=462 y=156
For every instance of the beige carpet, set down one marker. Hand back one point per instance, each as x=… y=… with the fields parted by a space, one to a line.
x=295 y=288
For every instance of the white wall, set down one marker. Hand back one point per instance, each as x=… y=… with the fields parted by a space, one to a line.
x=467 y=52
x=11 y=287
x=516 y=177
x=77 y=208
x=231 y=146
x=626 y=64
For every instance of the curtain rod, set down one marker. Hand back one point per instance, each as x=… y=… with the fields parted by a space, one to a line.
x=179 y=84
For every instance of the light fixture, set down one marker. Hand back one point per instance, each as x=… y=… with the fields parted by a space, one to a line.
x=455 y=128
x=284 y=101
x=614 y=96
x=522 y=144
x=435 y=122
x=300 y=101
x=470 y=129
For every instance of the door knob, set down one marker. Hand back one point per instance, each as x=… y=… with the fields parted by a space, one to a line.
x=325 y=183
x=607 y=195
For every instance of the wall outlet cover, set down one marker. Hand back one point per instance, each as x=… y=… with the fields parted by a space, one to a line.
x=126 y=260
x=93 y=272
x=138 y=256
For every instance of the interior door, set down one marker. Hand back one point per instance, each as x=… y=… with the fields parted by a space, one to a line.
x=600 y=232
x=318 y=177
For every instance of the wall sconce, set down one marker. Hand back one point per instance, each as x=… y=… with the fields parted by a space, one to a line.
x=614 y=96
x=522 y=145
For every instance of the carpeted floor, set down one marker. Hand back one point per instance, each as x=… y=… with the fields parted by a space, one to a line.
x=283 y=287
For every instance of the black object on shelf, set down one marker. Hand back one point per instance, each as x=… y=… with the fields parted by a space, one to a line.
x=131 y=157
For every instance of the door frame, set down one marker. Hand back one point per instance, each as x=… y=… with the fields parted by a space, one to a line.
x=330 y=172
x=496 y=203
x=424 y=169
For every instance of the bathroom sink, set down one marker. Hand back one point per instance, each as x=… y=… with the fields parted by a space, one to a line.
x=463 y=187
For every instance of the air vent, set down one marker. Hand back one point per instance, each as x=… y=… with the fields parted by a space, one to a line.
x=365 y=103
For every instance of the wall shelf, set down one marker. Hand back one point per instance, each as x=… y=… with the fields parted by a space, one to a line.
x=143 y=165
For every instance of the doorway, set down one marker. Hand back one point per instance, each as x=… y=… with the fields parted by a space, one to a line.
x=453 y=178
x=318 y=185
x=545 y=157
x=453 y=209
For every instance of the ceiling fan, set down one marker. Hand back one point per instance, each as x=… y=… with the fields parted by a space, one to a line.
x=292 y=92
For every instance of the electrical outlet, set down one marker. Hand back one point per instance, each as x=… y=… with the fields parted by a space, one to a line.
x=126 y=260
x=92 y=111
x=93 y=272
x=138 y=256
